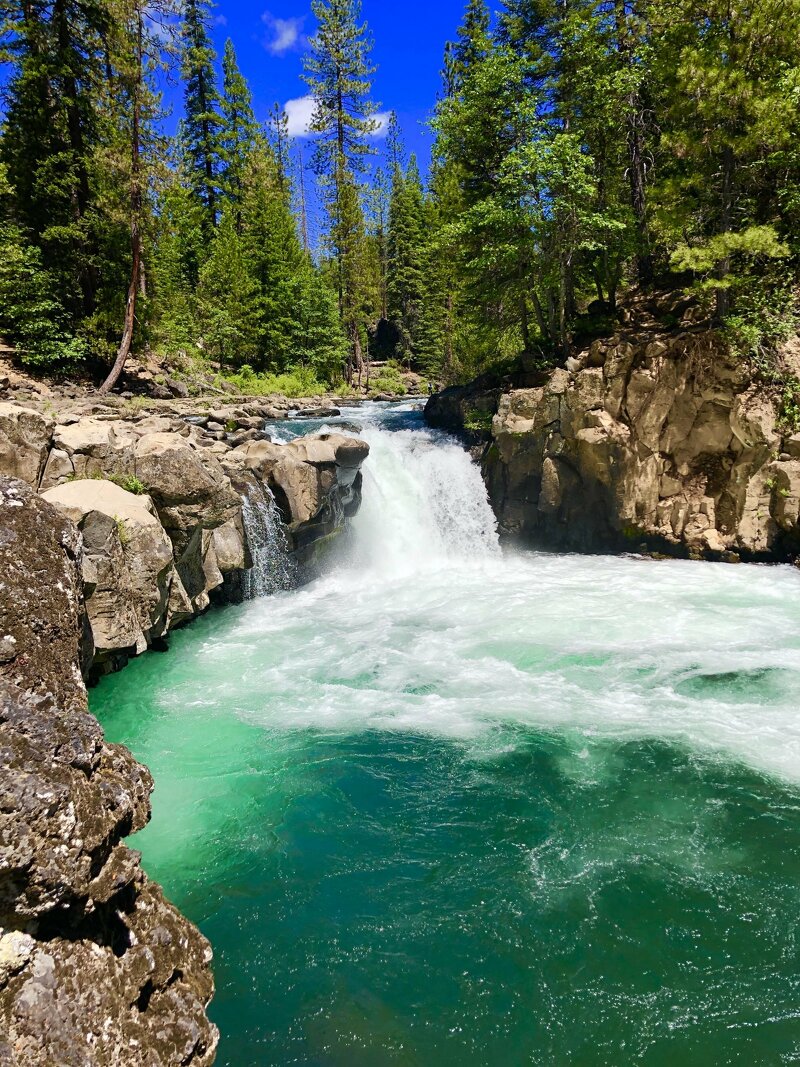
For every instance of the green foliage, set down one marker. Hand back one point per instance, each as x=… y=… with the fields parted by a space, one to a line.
x=201 y=134
x=122 y=531
x=389 y=380
x=765 y=314
x=131 y=484
x=239 y=127
x=294 y=382
x=227 y=298
x=789 y=411
x=477 y=421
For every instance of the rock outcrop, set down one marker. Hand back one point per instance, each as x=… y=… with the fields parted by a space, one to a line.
x=653 y=439
x=133 y=592
x=158 y=500
x=96 y=968
x=316 y=482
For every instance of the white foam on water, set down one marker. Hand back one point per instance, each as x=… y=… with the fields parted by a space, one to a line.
x=431 y=628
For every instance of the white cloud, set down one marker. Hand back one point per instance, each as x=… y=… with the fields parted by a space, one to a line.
x=219 y=20
x=382 y=118
x=284 y=34
x=299 y=113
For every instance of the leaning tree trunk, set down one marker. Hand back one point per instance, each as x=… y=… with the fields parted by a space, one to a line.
x=124 y=349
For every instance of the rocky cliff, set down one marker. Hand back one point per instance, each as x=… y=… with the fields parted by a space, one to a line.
x=656 y=438
x=95 y=966
x=158 y=501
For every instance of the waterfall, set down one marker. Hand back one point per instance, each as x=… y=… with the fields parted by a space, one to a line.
x=424 y=503
x=273 y=568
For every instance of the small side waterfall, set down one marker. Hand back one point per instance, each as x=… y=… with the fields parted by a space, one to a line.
x=273 y=569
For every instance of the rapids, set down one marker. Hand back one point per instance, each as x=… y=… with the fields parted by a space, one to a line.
x=454 y=805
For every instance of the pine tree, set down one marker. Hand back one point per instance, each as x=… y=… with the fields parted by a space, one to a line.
x=239 y=126
x=228 y=299
x=278 y=126
x=202 y=123
x=135 y=56
x=406 y=285
x=31 y=318
x=51 y=135
x=178 y=254
x=277 y=262
x=339 y=76
x=395 y=148
x=729 y=71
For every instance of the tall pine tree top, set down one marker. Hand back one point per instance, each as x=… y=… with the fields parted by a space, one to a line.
x=240 y=128
x=202 y=123
x=473 y=38
x=339 y=75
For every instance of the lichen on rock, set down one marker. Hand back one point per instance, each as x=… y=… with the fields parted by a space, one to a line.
x=95 y=966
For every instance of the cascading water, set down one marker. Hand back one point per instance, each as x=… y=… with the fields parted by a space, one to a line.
x=424 y=504
x=273 y=569
x=456 y=806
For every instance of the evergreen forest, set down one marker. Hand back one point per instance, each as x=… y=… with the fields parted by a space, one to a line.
x=584 y=150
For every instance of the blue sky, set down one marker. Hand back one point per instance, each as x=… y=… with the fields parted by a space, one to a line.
x=270 y=37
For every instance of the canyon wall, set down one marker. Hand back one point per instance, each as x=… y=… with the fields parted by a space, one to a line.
x=653 y=439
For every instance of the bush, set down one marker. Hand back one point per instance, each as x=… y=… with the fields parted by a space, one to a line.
x=390 y=380
x=294 y=382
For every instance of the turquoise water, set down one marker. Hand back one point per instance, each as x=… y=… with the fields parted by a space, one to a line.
x=451 y=807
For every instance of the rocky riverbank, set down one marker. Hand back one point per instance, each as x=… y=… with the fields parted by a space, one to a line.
x=158 y=498
x=656 y=439
x=117 y=524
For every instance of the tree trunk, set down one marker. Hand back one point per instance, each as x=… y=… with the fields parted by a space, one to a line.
x=136 y=210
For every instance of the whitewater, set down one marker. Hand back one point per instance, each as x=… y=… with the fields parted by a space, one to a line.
x=425 y=624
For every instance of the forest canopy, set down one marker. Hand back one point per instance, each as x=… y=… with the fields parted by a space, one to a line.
x=583 y=150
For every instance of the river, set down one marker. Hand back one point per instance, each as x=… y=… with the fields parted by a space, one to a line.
x=453 y=805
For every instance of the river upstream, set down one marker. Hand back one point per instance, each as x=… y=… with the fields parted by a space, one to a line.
x=456 y=807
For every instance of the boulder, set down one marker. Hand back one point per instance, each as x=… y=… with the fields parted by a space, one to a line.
x=25 y=437
x=190 y=487
x=316 y=481
x=131 y=586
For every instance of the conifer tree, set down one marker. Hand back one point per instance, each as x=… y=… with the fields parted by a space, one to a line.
x=339 y=76
x=239 y=127
x=278 y=127
x=228 y=299
x=51 y=135
x=277 y=262
x=406 y=285
x=202 y=124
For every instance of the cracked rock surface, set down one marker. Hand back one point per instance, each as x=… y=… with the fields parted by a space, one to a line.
x=96 y=967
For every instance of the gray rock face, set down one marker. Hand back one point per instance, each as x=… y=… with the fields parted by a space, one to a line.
x=153 y=561
x=25 y=437
x=132 y=589
x=95 y=966
x=316 y=482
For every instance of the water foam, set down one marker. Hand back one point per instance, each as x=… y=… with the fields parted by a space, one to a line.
x=431 y=629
